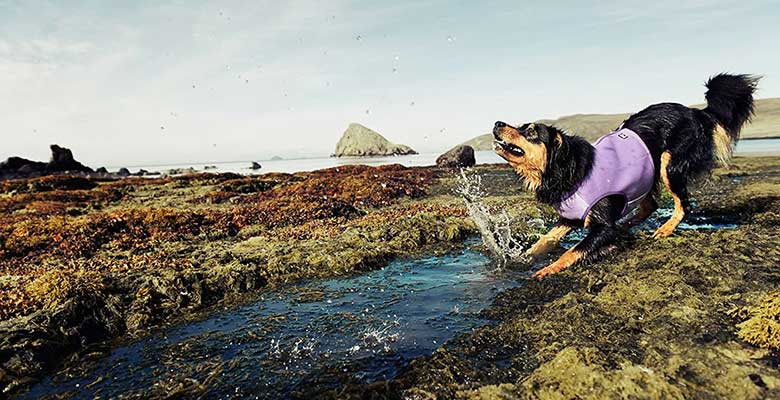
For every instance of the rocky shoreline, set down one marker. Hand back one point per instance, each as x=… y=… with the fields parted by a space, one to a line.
x=84 y=261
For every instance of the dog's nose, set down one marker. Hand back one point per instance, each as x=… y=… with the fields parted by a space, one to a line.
x=500 y=124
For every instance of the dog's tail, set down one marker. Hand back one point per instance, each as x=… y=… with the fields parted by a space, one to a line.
x=730 y=102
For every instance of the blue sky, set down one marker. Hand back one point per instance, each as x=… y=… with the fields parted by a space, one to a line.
x=146 y=82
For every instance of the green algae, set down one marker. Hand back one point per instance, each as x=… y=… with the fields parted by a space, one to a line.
x=761 y=322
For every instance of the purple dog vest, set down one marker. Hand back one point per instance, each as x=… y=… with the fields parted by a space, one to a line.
x=622 y=165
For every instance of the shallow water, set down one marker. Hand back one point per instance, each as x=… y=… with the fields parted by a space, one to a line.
x=366 y=327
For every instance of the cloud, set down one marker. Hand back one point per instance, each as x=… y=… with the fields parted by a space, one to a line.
x=134 y=82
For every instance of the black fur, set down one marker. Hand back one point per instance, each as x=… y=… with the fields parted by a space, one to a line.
x=569 y=160
x=730 y=100
x=686 y=133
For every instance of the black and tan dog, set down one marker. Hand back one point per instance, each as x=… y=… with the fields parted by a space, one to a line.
x=598 y=186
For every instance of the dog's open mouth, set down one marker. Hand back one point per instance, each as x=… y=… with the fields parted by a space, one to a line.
x=508 y=147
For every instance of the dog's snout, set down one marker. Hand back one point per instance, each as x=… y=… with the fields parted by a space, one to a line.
x=497 y=128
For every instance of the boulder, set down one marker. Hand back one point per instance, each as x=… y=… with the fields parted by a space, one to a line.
x=255 y=165
x=358 y=140
x=123 y=172
x=101 y=170
x=180 y=171
x=458 y=156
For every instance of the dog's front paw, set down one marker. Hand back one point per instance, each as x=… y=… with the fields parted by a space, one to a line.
x=568 y=259
x=548 y=270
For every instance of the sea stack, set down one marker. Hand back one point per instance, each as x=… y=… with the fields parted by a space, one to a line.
x=358 y=140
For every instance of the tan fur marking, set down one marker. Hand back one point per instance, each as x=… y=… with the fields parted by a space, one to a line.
x=567 y=259
x=531 y=165
x=679 y=212
x=723 y=146
x=548 y=241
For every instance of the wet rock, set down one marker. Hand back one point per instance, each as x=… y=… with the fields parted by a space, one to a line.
x=458 y=156
x=358 y=140
x=209 y=167
x=123 y=172
x=101 y=170
x=255 y=165
x=143 y=172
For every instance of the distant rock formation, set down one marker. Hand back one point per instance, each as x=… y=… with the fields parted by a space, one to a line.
x=123 y=172
x=61 y=161
x=255 y=165
x=361 y=141
x=180 y=171
x=458 y=156
x=276 y=158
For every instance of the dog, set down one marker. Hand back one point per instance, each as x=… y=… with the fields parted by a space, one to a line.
x=613 y=184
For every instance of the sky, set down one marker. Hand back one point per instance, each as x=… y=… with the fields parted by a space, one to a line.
x=151 y=82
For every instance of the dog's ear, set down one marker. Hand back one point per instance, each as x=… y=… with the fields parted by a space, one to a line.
x=531 y=131
x=557 y=138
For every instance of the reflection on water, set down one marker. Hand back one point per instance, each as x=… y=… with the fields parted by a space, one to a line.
x=362 y=328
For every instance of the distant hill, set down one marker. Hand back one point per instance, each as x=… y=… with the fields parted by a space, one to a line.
x=766 y=123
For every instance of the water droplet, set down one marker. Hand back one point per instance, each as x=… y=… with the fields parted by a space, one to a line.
x=396 y=58
x=451 y=39
x=214 y=145
x=368 y=112
x=395 y=70
x=411 y=104
x=246 y=80
x=162 y=128
x=358 y=38
x=193 y=86
x=442 y=130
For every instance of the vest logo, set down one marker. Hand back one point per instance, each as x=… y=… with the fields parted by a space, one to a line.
x=623 y=135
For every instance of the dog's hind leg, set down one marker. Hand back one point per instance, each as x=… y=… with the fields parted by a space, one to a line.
x=675 y=180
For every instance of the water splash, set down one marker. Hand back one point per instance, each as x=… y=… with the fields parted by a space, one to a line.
x=494 y=227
